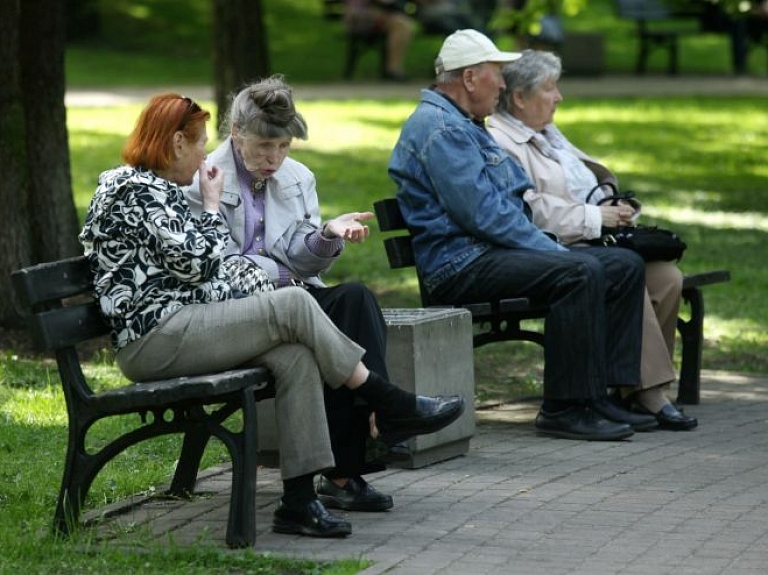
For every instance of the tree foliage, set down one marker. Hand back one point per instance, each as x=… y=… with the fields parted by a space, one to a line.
x=525 y=16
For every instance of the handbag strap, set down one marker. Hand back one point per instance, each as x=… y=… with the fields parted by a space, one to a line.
x=616 y=198
x=597 y=187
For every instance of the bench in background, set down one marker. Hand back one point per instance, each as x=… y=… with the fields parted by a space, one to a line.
x=660 y=24
x=357 y=44
x=501 y=320
x=63 y=315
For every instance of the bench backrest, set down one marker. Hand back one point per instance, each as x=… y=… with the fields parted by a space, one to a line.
x=399 y=249
x=59 y=295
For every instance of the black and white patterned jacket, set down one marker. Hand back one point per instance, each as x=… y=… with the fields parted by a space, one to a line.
x=150 y=256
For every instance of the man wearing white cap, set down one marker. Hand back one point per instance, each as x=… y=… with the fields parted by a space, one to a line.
x=474 y=240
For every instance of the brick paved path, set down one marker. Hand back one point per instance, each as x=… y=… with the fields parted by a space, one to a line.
x=662 y=502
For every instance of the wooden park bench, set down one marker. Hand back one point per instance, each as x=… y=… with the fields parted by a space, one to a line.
x=63 y=315
x=500 y=320
x=661 y=23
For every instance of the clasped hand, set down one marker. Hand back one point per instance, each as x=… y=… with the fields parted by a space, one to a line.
x=618 y=216
x=348 y=226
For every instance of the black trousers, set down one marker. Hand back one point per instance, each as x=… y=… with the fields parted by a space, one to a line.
x=592 y=333
x=354 y=310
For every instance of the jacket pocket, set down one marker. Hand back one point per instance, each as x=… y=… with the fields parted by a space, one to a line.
x=289 y=191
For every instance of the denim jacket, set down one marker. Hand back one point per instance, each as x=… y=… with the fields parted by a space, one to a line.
x=459 y=192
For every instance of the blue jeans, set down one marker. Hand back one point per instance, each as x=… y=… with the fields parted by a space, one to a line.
x=592 y=332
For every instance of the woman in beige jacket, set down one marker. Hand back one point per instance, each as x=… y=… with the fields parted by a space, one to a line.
x=561 y=203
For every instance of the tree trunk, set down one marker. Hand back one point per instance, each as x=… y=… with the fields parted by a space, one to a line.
x=15 y=238
x=36 y=189
x=54 y=219
x=241 y=53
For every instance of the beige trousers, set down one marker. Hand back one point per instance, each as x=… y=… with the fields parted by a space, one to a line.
x=287 y=331
x=664 y=284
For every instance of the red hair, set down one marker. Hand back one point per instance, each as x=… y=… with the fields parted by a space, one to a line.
x=150 y=145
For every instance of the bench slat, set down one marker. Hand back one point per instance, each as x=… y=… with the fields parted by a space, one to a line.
x=399 y=252
x=67 y=326
x=389 y=216
x=705 y=278
x=208 y=388
x=52 y=281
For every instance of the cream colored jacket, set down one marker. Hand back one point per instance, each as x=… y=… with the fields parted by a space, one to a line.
x=554 y=208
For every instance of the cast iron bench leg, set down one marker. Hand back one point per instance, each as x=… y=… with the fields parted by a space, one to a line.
x=691 y=332
x=241 y=527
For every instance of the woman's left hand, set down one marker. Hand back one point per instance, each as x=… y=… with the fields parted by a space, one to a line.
x=348 y=227
x=211 y=182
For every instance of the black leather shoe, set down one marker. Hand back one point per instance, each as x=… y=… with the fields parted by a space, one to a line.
x=671 y=418
x=313 y=520
x=356 y=495
x=579 y=422
x=612 y=411
x=431 y=414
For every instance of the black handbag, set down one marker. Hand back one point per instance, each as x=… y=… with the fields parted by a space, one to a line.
x=650 y=242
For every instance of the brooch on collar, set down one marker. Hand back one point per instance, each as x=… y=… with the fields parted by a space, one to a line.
x=258 y=185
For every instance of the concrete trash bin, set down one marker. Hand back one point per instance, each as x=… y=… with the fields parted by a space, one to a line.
x=429 y=352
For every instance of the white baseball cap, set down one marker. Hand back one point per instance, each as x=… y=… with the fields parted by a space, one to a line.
x=469 y=47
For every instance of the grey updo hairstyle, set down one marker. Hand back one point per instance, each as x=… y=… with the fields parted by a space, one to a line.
x=527 y=73
x=265 y=109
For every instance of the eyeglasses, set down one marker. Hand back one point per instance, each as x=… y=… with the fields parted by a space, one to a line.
x=192 y=108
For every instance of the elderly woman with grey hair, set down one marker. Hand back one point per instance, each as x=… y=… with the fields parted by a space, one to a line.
x=562 y=203
x=271 y=207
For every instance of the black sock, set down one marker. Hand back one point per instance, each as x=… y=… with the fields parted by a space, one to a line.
x=385 y=398
x=299 y=491
x=555 y=405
